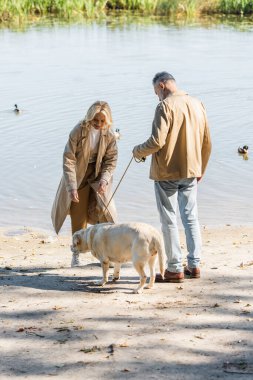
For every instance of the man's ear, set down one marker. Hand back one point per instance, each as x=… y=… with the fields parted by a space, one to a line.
x=162 y=85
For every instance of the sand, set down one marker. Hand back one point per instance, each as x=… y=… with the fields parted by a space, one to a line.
x=56 y=323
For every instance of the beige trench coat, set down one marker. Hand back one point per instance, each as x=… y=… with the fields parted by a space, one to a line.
x=75 y=163
x=180 y=142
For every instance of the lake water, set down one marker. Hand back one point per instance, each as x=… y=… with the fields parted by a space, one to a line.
x=54 y=72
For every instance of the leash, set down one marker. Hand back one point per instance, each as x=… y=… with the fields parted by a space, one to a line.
x=136 y=160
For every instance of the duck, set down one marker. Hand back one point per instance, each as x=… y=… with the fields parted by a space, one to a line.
x=117 y=134
x=243 y=150
x=16 y=109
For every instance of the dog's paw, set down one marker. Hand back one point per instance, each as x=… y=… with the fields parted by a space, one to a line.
x=149 y=286
x=115 y=279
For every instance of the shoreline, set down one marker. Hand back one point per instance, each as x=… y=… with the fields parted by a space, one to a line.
x=177 y=10
x=18 y=230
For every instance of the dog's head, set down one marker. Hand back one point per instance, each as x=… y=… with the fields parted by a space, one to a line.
x=81 y=241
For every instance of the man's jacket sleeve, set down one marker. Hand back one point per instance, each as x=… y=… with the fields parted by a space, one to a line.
x=156 y=141
x=206 y=146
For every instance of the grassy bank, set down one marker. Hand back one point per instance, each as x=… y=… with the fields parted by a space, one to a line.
x=95 y=8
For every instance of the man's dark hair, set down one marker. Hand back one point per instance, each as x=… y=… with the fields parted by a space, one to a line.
x=163 y=76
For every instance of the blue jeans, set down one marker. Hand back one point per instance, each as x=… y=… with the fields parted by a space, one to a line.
x=184 y=193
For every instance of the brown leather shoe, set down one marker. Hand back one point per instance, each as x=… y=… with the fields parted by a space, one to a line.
x=170 y=277
x=192 y=272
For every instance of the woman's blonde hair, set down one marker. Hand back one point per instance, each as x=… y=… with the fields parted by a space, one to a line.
x=98 y=106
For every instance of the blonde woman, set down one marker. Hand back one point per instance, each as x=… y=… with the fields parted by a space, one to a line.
x=89 y=160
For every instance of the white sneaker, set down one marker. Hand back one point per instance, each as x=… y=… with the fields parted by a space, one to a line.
x=75 y=260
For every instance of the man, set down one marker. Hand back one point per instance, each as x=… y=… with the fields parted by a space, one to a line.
x=180 y=146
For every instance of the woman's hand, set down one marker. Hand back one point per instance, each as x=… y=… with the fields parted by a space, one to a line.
x=74 y=196
x=102 y=186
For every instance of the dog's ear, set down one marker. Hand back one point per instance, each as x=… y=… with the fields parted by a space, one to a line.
x=90 y=236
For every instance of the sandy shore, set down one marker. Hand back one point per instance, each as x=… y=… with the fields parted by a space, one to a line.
x=56 y=322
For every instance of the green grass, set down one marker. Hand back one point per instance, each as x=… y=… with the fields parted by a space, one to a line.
x=98 y=8
x=236 y=6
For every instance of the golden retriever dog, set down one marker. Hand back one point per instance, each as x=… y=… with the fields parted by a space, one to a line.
x=121 y=243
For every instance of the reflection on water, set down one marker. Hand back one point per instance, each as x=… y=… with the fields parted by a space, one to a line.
x=54 y=72
x=123 y=19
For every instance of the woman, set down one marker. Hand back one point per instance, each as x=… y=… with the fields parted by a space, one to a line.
x=89 y=160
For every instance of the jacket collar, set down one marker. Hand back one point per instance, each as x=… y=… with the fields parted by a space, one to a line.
x=178 y=93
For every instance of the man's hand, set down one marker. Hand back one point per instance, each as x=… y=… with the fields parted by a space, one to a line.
x=136 y=154
x=74 y=196
x=102 y=186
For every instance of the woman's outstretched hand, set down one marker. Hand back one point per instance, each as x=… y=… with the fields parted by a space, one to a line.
x=74 y=196
x=102 y=186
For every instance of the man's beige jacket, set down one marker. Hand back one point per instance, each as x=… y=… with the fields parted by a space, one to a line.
x=180 y=143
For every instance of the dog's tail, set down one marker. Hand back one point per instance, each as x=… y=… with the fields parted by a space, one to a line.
x=159 y=247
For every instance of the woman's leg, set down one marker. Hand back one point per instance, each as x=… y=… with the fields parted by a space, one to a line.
x=79 y=211
x=79 y=217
